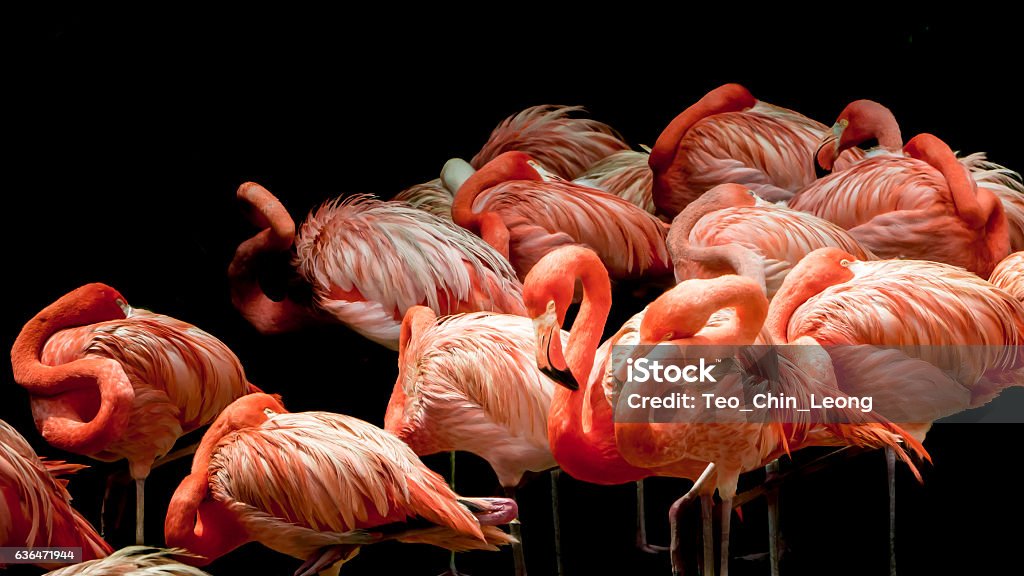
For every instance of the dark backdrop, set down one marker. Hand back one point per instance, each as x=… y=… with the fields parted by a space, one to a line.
x=128 y=133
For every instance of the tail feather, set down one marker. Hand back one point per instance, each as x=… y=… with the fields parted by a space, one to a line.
x=884 y=435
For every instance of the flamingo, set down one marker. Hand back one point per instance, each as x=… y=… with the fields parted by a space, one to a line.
x=957 y=337
x=1009 y=275
x=625 y=174
x=581 y=430
x=730 y=230
x=565 y=144
x=366 y=263
x=901 y=198
x=317 y=486
x=110 y=381
x=510 y=205
x=133 y=561
x=729 y=136
x=35 y=507
x=469 y=383
x=683 y=317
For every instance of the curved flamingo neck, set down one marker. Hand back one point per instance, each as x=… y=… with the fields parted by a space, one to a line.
x=588 y=327
x=727 y=98
x=505 y=167
x=87 y=305
x=866 y=120
x=277 y=235
x=964 y=190
x=203 y=527
x=741 y=260
x=808 y=279
x=681 y=314
x=417 y=319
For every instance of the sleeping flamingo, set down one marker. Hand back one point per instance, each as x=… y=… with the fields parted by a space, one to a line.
x=110 y=381
x=730 y=230
x=470 y=383
x=366 y=263
x=957 y=337
x=563 y=143
x=35 y=507
x=513 y=208
x=317 y=486
x=1009 y=275
x=900 y=199
x=729 y=136
x=683 y=317
x=133 y=561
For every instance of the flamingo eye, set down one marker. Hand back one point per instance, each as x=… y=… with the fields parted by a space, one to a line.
x=845 y=263
x=269 y=413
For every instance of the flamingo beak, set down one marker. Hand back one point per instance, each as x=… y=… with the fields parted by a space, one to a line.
x=547 y=329
x=825 y=155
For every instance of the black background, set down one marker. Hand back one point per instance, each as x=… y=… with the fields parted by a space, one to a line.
x=127 y=134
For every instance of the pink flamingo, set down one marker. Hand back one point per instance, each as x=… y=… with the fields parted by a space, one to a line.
x=317 y=486
x=625 y=174
x=730 y=230
x=133 y=561
x=35 y=507
x=729 y=136
x=565 y=144
x=581 y=430
x=109 y=381
x=683 y=317
x=900 y=199
x=470 y=383
x=1009 y=275
x=956 y=335
x=367 y=262
x=510 y=205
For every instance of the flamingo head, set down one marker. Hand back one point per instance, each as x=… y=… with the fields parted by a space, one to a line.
x=822 y=268
x=547 y=293
x=727 y=196
x=508 y=166
x=860 y=121
x=94 y=302
x=249 y=411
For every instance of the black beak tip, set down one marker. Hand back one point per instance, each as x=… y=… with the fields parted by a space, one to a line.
x=820 y=172
x=563 y=377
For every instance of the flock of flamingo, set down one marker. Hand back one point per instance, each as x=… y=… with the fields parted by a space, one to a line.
x=755 y=223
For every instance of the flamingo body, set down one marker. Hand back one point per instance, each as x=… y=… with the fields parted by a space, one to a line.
x=299 y=483
x=625 y=174
x=1009 y=275
x=470 y=383
x=35 y=507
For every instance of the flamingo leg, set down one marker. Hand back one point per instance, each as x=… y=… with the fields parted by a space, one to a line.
x=726 y=519
x=140 y=512
x=103 y=506
x=707 y=506
x=772 y=470
x=516 y=528
x=675 y=513
x=641 y=523
x=890 y=463
x=556 y=520
x=452 y=569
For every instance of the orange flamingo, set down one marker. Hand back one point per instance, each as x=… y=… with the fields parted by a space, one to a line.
x=35 y=507
x=366 y=263
x=470 y=383
x=563 y=143
x=581 y=430
x=109 y=381
x=957 y=337
x=625 y=174
x=730 y=230
x=901 y=198
x=317 y=486
x=729 y=136
x=133 y=561
x=510 y=205
x=1009 y=275
x=683 y=317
